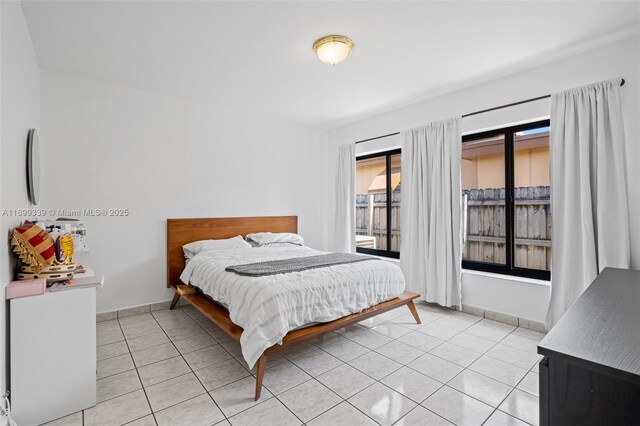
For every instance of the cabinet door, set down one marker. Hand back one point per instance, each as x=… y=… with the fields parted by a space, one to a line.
x=575 y=395
x=53 y=355
x=544 y=391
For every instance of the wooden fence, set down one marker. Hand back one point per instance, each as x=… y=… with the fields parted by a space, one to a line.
x=485 y=224
x=371 y=218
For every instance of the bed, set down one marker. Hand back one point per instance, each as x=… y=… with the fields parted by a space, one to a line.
x=206 y=283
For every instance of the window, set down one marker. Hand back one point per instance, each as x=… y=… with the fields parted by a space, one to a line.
x=378 y=204
x=506 y=201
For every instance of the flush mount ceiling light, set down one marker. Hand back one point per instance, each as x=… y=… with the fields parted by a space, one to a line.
x=333 y=49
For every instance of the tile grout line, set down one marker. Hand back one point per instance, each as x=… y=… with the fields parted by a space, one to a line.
x=235 y=381
x=347 y=399
x=251 y=375
x=191 y=369
x=368 y=386
x=314 y=378
x=285 y=405
x=445 y=384
x=512 y=389
x=137 y=373
x=467 y=368
x=443 y=341
x=331 y=390
x=133 y=359
x=404 y=365
x=390 y=321
x=485 y=353
x=421 y=406
x=311 y=378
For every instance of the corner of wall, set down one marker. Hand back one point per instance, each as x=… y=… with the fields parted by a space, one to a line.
x=19 y=111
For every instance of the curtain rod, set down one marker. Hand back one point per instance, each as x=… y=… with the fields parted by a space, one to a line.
x=479 y=112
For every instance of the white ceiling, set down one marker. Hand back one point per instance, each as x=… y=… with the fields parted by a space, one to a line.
x=257 y=56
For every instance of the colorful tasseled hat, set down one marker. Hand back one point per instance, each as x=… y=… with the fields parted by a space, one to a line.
x=33 y=245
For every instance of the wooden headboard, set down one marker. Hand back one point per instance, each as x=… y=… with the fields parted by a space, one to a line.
x=183 y=231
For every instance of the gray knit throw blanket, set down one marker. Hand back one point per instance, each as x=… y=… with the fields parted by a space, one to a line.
x=296 y=264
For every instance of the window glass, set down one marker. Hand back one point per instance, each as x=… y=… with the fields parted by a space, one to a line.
x=483 y=198
x=506 y=201
x=532 y=215
x=395 y=202
x=378 y=204
x=371 y=202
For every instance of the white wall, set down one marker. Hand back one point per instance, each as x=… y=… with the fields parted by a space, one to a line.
x=19 y=111
x=109 y=146
x=620 y=59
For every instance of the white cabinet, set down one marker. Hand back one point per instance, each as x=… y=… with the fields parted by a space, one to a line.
x=53 y=355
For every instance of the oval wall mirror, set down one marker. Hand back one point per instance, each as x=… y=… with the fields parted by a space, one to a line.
x=33 y=166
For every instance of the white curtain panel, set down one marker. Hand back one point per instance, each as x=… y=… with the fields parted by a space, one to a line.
x=588 y=191
x=430 y=246
x=345 y=226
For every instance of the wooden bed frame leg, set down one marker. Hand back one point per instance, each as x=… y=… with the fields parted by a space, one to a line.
x=174 y=302
x=260 y=375
x=414 y=312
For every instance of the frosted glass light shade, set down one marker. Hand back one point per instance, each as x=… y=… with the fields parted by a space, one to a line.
x=333 y=49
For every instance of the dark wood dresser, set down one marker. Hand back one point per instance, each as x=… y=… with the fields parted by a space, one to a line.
x=590 y=373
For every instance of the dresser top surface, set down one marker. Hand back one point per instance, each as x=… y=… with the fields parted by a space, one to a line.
x=602 y=329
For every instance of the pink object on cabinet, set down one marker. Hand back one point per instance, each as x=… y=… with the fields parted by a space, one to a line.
x=25 y=288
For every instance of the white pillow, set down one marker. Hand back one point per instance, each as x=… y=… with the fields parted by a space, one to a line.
x=276 y=245
x=263 y=238
x=196 y=247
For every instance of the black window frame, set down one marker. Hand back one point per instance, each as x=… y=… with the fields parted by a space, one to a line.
x=509 y=267
x=378 y=252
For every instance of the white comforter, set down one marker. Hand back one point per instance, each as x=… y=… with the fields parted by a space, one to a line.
x=267 y=308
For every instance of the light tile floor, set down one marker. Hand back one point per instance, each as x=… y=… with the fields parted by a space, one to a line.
x=176 y=368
